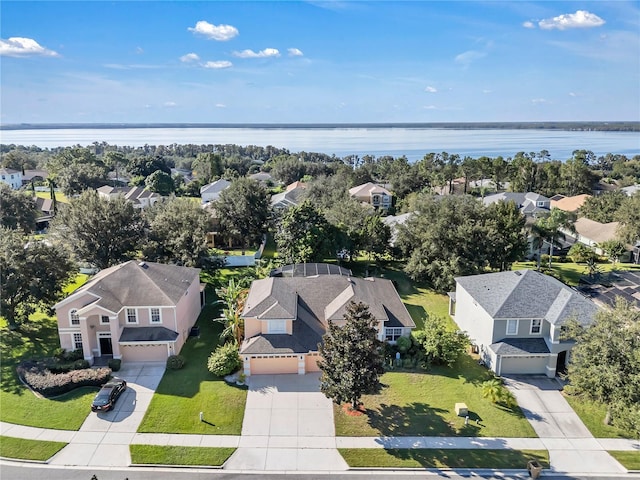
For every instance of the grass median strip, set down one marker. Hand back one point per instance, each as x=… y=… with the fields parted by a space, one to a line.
x=629 y=459
x=25 y=449
x=179 y=455
x=443 y=458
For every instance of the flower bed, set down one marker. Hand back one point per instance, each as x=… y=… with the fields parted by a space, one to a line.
x=42 y=380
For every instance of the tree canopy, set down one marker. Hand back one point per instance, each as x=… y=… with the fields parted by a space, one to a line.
x=352 y=357
x=17 y=209
x=99 y=231
x=32 y=275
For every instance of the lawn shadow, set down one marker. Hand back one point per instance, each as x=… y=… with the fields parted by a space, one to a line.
x=413 y=419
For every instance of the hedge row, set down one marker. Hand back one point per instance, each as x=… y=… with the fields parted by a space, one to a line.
x=52 y=384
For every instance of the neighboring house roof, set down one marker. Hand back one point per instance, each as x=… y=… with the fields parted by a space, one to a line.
x=133 y=284
x=261 y=177
x=528 y=294
x=133 y=194
x=215 y=187
x=368 y=189
x=292 y=195
x=45 y=205
x=311 y=302
x=631 y=189
x=570 y=204
x=9 y=171
x=596 y=231
x=392 y=221
x=31 y=174
x=526 y=202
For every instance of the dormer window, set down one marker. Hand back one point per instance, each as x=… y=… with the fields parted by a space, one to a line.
x=536 y=326
x=277 y=326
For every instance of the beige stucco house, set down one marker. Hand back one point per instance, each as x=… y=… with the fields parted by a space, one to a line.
x=135 y=311
x=375 y=195
x=286 y=316
x=515 y=319
x=140 y=197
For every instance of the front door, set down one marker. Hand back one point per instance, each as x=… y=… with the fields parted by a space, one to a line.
x=561 y=364
x=105 y=346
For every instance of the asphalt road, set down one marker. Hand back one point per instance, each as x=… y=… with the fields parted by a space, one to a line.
x=11 y=471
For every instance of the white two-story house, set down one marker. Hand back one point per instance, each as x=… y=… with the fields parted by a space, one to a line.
x=515 y=319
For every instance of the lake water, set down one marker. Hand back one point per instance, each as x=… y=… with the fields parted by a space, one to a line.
x=414 y=143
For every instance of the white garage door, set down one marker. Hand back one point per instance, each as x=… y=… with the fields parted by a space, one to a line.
x=525 y=365
x=144 y=353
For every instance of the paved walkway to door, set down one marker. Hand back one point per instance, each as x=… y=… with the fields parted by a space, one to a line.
x=571 y=446
x=288 y=425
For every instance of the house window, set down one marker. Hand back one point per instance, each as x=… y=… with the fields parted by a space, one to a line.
x=536 y=325
x=132 y=317
x=392 y=334
x=541 y=204
x=155 y=315
x=75 y=318
x=77 y=341
x=104 y=319
x=512 y=327
x=277 y=326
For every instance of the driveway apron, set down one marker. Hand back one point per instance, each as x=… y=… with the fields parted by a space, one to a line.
x=571 y=446
x=288 y=426
x=103 y=439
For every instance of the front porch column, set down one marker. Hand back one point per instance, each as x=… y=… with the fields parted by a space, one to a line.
x=86 y=340
x=246 y=363
x=551 y=365
x=301 y=365
x=114 y=328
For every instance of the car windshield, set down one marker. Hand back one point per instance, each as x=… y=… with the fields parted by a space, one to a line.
x=102 y=397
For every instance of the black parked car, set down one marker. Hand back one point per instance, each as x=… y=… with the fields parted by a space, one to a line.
x=108 y=394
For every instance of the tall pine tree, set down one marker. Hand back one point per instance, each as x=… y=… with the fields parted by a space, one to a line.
x=352 y=357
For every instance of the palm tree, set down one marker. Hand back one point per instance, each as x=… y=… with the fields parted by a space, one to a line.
x=492 y=390
x=52 y=193
x=232 y=297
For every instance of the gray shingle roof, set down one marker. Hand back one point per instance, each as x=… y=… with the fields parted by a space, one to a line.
x=215 y=187
x=143 y=284
x=520 y=346
x=528 y=294
x=148 y=334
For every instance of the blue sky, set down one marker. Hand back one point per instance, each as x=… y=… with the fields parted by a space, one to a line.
x=316 y=61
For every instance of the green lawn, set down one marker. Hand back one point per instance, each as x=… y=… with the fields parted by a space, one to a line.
x=37 y=338
x=183 y=394
x=24 y=449
x=443 y=458
x=172 y=455
x=592 y=415
x=422 y=404
x=570 y=273
x=630 y=460
x=60 y=197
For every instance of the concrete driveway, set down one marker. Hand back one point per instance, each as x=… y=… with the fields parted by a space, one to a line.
x=288 y=426
x=103 y=439
x=571 y=446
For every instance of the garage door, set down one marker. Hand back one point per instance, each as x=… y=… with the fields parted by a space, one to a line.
x=144 y=353
x=525 y=365
x=274 y=365
x=311 y=363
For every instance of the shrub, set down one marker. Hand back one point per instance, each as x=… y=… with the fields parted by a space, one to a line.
x=403 y=344
x=49 y=384
x=175 y=362
x=114 y=364
x=441 y=345
x=224 y=360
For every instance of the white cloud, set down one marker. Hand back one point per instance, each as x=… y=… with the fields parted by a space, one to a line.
x=572 y=94
x=538 y=101
x=431 y=89
x=189 y=57
x=529 y=25
x=139 y=50
x=487 y=91
x=220 y=105
x=24 y=47
x=580 y=19
x=295 y=52
x=218 y=64
x=170 y=104
x=267 y=52
x=469 y=56
x=221 y=33
x=430 y=107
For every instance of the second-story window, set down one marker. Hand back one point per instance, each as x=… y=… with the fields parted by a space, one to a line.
x=75 y=318
x=512 y=327
x=155 y=315
x=131 y=315
x=104 y=319
x=536 y=325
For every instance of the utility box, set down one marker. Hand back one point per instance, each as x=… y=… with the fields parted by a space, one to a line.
x=462 y=410
x=534 y=469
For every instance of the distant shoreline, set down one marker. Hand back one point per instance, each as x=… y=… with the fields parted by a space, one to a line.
x=568 y=126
